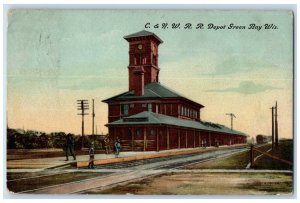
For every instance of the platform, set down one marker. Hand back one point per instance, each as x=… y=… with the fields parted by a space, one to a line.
x=100 y=159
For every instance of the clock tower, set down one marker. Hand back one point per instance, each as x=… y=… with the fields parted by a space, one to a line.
x=143 y=57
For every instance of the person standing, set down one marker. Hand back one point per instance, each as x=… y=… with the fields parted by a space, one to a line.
x=69 y=147
x=107 y=144
x=118 y=147
x=92 y=156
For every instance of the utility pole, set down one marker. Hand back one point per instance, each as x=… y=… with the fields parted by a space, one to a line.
x=82 y=105
x=272 y=126
x=93 y=115
x=276 y=127
x=231 y=116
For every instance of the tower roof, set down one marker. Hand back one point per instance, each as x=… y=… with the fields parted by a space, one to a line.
x=143 y=33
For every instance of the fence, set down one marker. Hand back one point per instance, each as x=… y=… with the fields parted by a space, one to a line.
x=252 y=149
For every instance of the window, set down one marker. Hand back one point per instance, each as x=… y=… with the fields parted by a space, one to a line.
x=156 y=110
x=124 y=109
x=182 y=111
x=144 y=105
x=150 y=107
x=138 y=132
x=152 y=132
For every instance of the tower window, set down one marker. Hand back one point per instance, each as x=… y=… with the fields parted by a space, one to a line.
x=124 y=109
x=155 y=60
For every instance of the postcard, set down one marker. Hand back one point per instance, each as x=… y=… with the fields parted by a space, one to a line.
x=150 y=102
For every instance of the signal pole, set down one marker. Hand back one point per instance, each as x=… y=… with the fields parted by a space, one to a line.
x=231 y=116
x=83 y=106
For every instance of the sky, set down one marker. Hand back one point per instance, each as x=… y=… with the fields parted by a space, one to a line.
x=55 y=57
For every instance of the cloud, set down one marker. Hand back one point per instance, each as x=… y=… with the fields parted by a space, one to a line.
x=238 y=64
x=91 y=84
x=246 y=87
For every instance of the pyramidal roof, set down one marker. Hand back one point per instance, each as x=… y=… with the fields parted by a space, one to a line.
x=143 y=33
x=147 y=117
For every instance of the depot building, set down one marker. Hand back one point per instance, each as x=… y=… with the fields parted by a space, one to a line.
x=152 y=117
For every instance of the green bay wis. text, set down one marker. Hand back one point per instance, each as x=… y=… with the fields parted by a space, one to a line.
x=211 y=26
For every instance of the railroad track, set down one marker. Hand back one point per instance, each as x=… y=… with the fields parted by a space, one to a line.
x=125 y=172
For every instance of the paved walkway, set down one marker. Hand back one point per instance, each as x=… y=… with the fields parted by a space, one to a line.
x=47 y=163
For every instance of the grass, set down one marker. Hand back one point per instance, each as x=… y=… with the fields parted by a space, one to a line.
x=237 y=161
x=39 y=182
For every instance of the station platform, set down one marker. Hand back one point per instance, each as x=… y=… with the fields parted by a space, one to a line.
x=101 y=159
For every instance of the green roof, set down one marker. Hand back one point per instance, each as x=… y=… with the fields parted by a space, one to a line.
x=147 y=117
x=143 y=33
x=152 y=90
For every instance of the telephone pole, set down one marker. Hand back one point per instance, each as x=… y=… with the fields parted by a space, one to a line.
x=231 y=116
x=93 y=115
x=272 y=126
x=82 y=105
x=276 y=127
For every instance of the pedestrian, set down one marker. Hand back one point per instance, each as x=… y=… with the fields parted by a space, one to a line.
x=118 y=147
x=202 y=144
x=92 y=156
x=107 y=144
x=69 y=147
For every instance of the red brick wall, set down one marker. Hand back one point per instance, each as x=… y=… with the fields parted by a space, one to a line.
x=146 y=57
x=151 y=145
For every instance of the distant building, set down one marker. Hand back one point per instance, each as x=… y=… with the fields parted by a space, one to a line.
x=150 y=116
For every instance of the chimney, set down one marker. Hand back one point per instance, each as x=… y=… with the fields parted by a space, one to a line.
x=138 y=73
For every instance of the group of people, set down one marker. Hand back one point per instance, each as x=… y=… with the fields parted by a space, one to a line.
x=69 y=149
